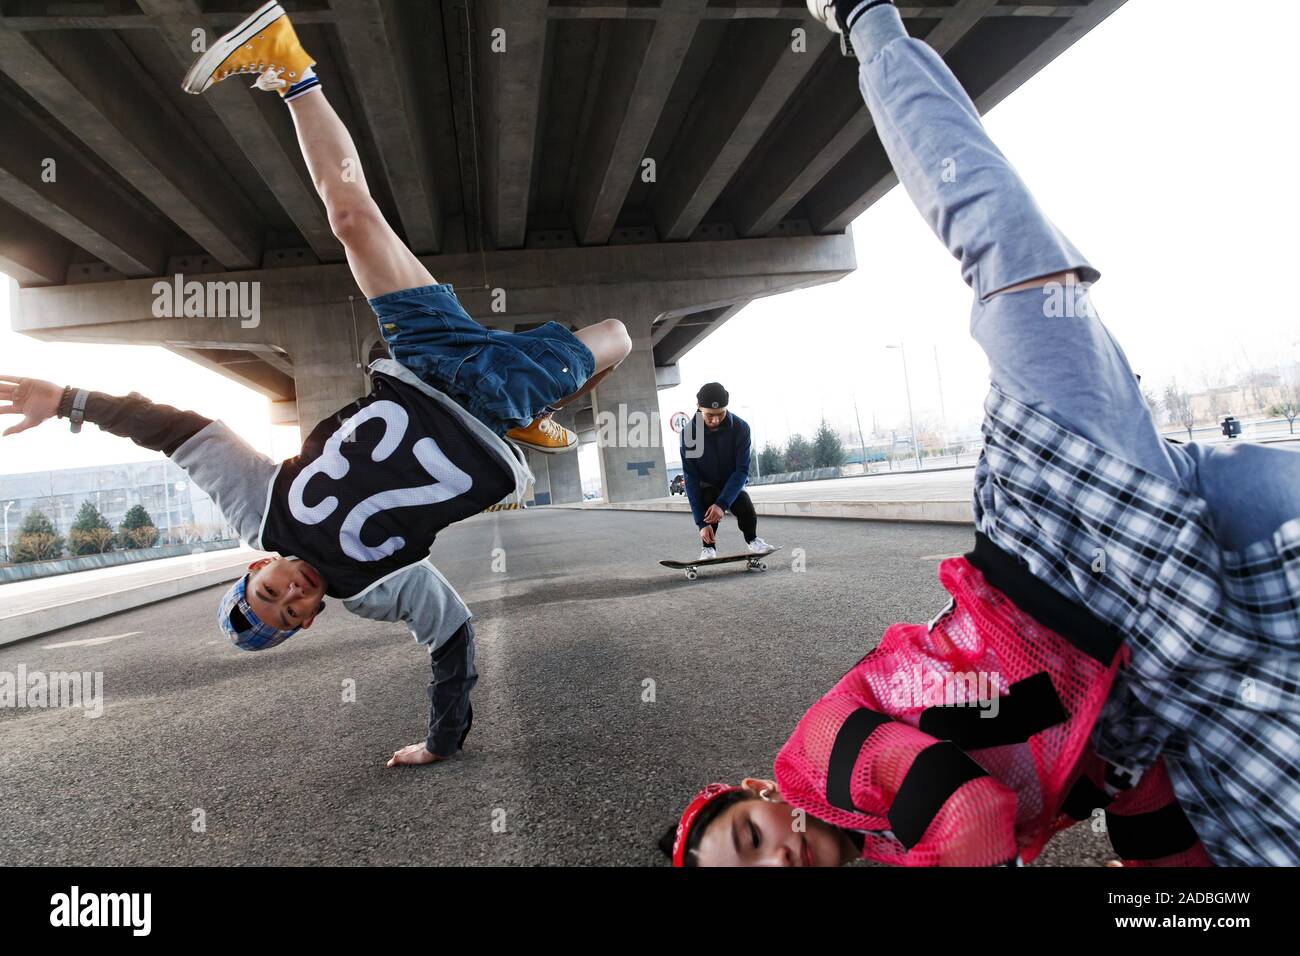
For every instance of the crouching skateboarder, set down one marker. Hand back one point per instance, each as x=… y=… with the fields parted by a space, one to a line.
x=716 y=453
x=354 y=515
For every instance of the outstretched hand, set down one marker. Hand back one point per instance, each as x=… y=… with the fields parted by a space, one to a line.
x=31 y=398
x=412 y=755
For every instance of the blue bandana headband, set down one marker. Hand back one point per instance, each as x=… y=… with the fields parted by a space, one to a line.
x=244 y=628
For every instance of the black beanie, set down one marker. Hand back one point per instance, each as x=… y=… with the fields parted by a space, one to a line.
x=712 y=395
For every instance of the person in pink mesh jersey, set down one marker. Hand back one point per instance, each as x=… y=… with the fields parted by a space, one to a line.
x=972 y=740
x=963 y=742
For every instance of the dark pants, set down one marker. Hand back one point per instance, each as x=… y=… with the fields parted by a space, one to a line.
x=742 y=508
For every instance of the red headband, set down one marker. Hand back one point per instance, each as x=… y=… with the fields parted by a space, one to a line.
x=693 y=810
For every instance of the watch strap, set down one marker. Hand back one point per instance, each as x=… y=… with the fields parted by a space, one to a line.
x=78 y=414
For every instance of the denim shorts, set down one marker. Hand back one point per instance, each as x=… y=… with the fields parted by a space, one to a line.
x=501 y=378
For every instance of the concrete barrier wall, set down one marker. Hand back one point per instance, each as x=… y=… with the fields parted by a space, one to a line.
x=938 y=512
x=89 y=562
x=64 y=609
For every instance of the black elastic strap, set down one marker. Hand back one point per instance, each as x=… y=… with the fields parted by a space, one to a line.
x=1083 y=798
x=238 y=621
x=1084 y=630
x=1150 y=836
x=934 y=776
x=1031 y=706
x=853 y=733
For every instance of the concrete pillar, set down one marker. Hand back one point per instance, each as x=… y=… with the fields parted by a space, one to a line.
x=539 y=463
x=566 y=480
x=627 y=417
x=327 y=373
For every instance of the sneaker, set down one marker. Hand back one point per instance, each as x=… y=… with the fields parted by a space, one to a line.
x=264 y=44
x=759 y=546
x=707 y=553
x=824 y=11
x=546 y=435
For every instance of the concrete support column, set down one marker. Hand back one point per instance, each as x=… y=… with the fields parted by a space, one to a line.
x=565 y=478
x=327 y=373
x=627 y=414
x=540 y=463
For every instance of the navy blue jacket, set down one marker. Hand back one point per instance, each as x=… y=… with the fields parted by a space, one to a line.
x=719 y=458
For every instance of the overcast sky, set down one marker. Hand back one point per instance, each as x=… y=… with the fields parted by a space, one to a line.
x=1163 y=143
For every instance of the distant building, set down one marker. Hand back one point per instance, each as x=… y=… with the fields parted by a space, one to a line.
x=179 y=508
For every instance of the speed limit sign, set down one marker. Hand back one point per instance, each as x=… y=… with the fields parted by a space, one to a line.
x=679 y=421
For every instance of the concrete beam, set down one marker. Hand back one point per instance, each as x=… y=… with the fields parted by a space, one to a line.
x=94 y=87
x=808 y=159
x=368 y=46
x=512 y=89
x=279 y=163
x=607 y=11
x=134 y=21
x=671 y=355
x=831 y=208
x=246 y=368
x=1082 y=21
x=635 y=87
x=758 y=10
x=543 y=282
x=49 y=181
x=30 y=253
x=746 y=89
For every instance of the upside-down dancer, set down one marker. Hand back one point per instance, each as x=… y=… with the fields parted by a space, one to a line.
x=1134 y=603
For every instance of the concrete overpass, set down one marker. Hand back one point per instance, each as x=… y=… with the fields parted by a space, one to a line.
x=664 y=162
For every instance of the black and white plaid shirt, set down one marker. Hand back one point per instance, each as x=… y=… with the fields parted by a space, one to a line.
x=1213 y=681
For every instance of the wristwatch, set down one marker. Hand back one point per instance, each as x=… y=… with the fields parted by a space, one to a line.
x=78 y=413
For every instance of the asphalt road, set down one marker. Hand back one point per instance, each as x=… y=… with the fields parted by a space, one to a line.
x=566 y=764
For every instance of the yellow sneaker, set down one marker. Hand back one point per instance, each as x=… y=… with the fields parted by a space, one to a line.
x=264 y=44
x=545 y=434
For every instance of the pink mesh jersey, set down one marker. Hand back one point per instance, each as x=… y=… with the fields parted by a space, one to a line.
x=965 y=742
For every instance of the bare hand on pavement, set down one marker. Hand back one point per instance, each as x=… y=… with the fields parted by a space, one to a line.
x=412 y=755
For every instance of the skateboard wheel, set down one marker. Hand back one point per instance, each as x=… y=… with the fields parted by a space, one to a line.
x=762 y=565
x=692 y=574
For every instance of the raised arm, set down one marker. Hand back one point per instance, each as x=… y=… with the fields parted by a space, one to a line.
x=157 y=427
x=218 y=460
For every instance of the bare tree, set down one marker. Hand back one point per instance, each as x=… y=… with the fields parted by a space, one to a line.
x=1260 y=386
x=1178 y=406
x=1153 y=403
x=1289 y=407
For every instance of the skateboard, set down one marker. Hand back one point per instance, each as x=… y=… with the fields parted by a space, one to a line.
x=753 y=562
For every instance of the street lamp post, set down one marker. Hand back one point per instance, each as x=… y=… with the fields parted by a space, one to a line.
x=167 y=503
x=943 y=409
x=178 y=487
x=8 y=505
x=907 y=385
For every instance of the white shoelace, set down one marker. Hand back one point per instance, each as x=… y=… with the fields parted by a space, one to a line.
x=270 y=80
